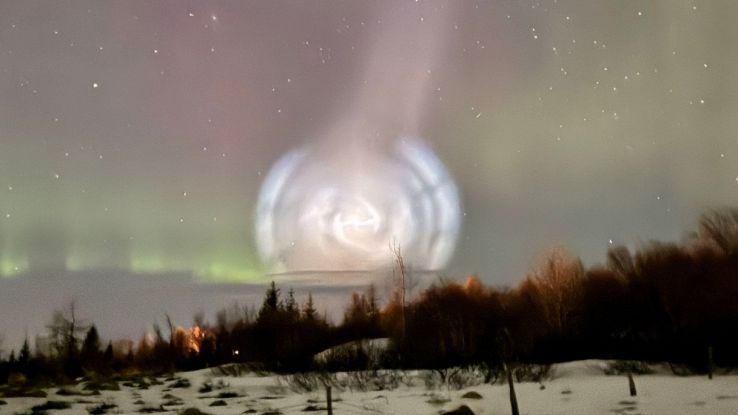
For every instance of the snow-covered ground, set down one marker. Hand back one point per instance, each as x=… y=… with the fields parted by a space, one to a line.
x=575 y=388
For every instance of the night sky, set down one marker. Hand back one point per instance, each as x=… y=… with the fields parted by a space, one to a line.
x=135 y=138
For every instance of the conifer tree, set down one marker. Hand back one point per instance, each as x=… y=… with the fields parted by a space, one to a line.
x=271 y=302
x=308 y=310
x=25 y=354
x=90 y=353
x=291 y=305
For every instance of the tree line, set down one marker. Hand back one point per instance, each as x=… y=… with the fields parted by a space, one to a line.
x=663 y=302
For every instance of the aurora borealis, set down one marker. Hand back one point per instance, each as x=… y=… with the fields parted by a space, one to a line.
x=135 y=136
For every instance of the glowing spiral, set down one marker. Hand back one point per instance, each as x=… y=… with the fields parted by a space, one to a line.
x=320 y=211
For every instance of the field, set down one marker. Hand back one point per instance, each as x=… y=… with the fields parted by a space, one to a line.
x=571 y=388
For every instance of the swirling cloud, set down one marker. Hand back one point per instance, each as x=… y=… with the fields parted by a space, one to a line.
x=322 y=210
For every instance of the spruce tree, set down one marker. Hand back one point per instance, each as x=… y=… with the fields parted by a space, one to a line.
x=90 y=352
x=25 y=354
x=308 y=310
x=271 y=302
x=291 y=305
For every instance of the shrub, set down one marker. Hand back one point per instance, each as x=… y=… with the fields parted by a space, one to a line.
x=621 y=367
x=454 y=377
x=308 y=381
x=528 y=372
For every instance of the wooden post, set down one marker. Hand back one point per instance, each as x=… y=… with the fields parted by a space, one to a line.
x=709 y=362
x=631 y=384
x=328 y=402
x=511 y=384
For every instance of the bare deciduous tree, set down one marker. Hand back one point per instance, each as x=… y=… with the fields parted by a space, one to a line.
x=399 y=273
x=66 y=329
x=720 y=228
x=65 y=335
x=557 y=281
x=620 y=261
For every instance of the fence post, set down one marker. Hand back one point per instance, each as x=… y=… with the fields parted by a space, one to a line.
x=631 y=384
x=328 y=400
x=710 y=363
x=511 y=385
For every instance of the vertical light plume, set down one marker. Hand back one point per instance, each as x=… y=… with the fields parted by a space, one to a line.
x=405 y=55
x=367 y=181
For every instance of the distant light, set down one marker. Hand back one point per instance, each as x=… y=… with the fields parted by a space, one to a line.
x=95 y=85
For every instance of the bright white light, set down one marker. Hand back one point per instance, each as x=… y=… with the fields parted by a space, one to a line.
x=319 y=210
